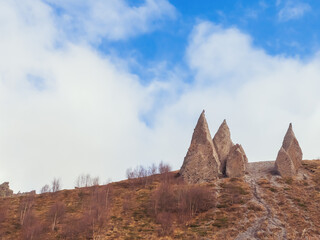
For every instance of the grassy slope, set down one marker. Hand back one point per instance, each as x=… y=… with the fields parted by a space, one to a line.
x=295 y=202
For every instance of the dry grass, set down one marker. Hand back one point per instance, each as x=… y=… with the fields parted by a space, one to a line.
x=127 y=215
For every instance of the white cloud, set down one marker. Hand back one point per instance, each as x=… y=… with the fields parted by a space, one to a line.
x=293 y=10
x=69 y=110
x=112 y=19
x=84 y=117
x=259 y=94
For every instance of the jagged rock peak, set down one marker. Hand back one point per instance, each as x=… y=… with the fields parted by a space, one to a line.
x=201 y=132
x=223 y=144
x=288 y=137
x=201 y=163
x=237 y=161
x=289 y=163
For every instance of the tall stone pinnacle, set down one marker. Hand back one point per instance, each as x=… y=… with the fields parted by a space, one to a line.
x=201 y=163
x=223 y=144
x=288 y=137
x=289 y=158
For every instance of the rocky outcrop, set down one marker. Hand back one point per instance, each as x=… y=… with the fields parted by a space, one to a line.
x=284 y=164
x=223 y=144
x=289 y=157
x=5 y=191
x=236 y=163
x=201 y=163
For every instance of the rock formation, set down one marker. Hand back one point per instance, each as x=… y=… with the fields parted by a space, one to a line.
x=284 y=164
x=201 y=163
x=223 y=144
x=5 y=191
x=236 y=162
x=289 y=157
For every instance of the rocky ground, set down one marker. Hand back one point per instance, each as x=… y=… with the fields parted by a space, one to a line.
x=273 y=223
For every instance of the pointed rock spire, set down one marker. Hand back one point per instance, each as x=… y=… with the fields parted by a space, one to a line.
x=201 y=163
x=236 y=163
x=223 y=144
x=288 y=137
x=289 y=163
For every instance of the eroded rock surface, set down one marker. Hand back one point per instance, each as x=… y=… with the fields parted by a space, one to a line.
x=223 y=144
x=5 y=191
x=289 y=157
x=236 y=163
x=201 y=163
x=284 y=164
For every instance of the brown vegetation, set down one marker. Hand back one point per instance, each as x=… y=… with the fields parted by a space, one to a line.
x=161 y=206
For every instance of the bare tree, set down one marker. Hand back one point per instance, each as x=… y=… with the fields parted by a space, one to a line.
x=32 y=227
x=130 y=174
x=96 y=181
x=164 y=170
x=56 y=212
x=152 y=170
x=56 y=185
x=45 y=189
x=85 y=180
x=26 y=205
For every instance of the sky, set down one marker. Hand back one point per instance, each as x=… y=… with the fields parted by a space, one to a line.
x=96 y=87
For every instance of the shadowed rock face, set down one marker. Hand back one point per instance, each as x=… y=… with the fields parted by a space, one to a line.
x=236 y=163
x=201 y=163
x=223 y=144
x=284 y=165
x=289 y=163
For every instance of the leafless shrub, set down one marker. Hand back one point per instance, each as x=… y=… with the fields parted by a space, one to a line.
x=85 y=180
x=183 y=201
x=56 y=213
x=165 y=219
x=45 y=189
x=164 y=199
x=137 y=176
x=56 y=185
x=127 y=202
x=96 y=181
x=32 y=227
x=95 y=215
x=25 y=207
x=152 y=170
x=164 y=170
x=193 y=199
x=130 y=174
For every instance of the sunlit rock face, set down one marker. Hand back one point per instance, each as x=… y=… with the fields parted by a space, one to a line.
x=236 y=163
x=223 y=144
x=201 y=164
x=289 y=157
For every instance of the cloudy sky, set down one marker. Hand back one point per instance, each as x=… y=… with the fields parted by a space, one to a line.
x=100 y=86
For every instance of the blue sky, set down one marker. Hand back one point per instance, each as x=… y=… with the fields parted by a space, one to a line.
x=289 y=28
x=100 y=86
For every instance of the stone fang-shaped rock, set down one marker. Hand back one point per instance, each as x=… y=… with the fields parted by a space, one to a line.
x=223 y=144
x=288 y=165
x=201 y=164
x=236 y=163
x=284 y=164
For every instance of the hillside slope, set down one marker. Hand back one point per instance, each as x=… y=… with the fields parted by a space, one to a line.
x=262 y=205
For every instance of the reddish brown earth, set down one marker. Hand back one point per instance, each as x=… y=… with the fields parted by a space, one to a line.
x=261 y=205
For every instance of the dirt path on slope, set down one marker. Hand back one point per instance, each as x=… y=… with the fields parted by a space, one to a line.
x=268 y=223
